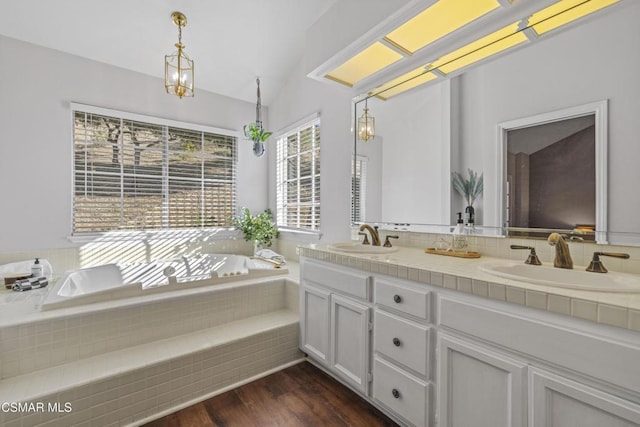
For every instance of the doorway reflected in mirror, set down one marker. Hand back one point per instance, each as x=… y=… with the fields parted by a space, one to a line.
x=551 y=176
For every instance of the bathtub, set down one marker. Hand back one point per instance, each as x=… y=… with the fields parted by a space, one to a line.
x=130 y=360
x=113 y=281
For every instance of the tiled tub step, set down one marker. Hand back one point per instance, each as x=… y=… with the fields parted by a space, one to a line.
x=140 y=382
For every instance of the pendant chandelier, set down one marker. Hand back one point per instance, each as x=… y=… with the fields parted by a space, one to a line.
x=366 y=125
x=178 y=68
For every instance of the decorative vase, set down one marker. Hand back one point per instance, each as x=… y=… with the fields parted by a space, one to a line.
x=258 y=148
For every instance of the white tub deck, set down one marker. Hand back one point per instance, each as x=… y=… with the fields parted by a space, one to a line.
x=126 y=361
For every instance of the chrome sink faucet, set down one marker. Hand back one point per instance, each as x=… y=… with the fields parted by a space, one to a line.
x=375 y=237
x=563 y=256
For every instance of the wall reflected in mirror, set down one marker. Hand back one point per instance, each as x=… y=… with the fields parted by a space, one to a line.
x=551 y=178
x=402 y=175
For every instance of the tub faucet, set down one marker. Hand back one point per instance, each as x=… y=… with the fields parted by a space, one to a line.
x=170 y=273
x=563 y=257
x=375 y=237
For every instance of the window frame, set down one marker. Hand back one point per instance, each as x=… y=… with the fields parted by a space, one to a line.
x=166 y=124
x=281 y=138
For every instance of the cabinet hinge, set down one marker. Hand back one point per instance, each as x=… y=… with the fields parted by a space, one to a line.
x=371 y=326
x=369 y=377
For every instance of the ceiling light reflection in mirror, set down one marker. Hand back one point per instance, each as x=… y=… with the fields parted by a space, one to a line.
x=438 y=20
x=404 y=82
x=563 y=12
x=557 y=15
x=485 y=47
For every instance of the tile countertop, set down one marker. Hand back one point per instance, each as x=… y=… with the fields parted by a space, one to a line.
x=463 y=274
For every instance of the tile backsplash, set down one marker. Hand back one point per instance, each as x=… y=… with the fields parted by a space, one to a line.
x=499 y=247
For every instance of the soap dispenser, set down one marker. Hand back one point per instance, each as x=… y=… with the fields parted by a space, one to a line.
x=36 y=269
x=459 y=239
x=460 y=225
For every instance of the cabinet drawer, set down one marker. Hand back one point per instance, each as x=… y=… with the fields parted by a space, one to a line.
x=404 y=341
x=403 y=394
x=398 y=297
x=345 y=282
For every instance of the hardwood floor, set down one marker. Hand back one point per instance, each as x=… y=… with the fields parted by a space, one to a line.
x=301 y=395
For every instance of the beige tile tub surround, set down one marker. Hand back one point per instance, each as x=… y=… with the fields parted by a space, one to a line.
x=615 y=309
x=123 y=364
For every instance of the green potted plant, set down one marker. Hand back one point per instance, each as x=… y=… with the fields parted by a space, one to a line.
x=470 y=189
x=254 y=131
x=257 y=228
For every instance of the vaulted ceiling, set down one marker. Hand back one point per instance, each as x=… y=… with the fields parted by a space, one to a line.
x=231 y=42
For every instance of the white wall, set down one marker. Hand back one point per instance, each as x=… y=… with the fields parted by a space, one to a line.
x=36 y=86
x=595 y=61
x=300 y=98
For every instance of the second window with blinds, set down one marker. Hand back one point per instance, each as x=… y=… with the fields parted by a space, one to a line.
x=298 y=176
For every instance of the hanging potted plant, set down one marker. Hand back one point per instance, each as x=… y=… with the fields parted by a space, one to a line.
x=254 y=131
x=470 y=189
x=259 y=228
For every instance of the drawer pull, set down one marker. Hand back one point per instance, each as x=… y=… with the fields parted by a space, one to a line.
x=396 y=342
x=395 y=393
x=397 y=298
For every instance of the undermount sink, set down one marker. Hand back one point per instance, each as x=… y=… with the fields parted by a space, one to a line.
x=564 y=278
x=359 y=248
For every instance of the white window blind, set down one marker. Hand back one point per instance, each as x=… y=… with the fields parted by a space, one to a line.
x=137 y=175
x=358 y=189
x=298 y=177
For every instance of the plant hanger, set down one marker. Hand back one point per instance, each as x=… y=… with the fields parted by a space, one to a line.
x=254 y=131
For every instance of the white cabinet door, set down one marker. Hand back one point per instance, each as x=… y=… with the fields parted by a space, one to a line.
x=558 y=401
x=479 y=387
x=350 y=341
x=314 y=323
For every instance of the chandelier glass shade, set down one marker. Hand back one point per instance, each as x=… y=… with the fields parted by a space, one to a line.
x=178 y=68
x=366 y=125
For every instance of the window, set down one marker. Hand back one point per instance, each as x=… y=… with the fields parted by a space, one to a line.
x=135 y=172
x=298 y=177
x=358 y=189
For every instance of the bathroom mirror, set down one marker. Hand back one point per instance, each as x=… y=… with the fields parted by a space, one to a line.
x=401 y=177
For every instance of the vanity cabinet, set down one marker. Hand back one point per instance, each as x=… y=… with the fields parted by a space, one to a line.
x=546 y=370
x=335 y=324
x=430 y=356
